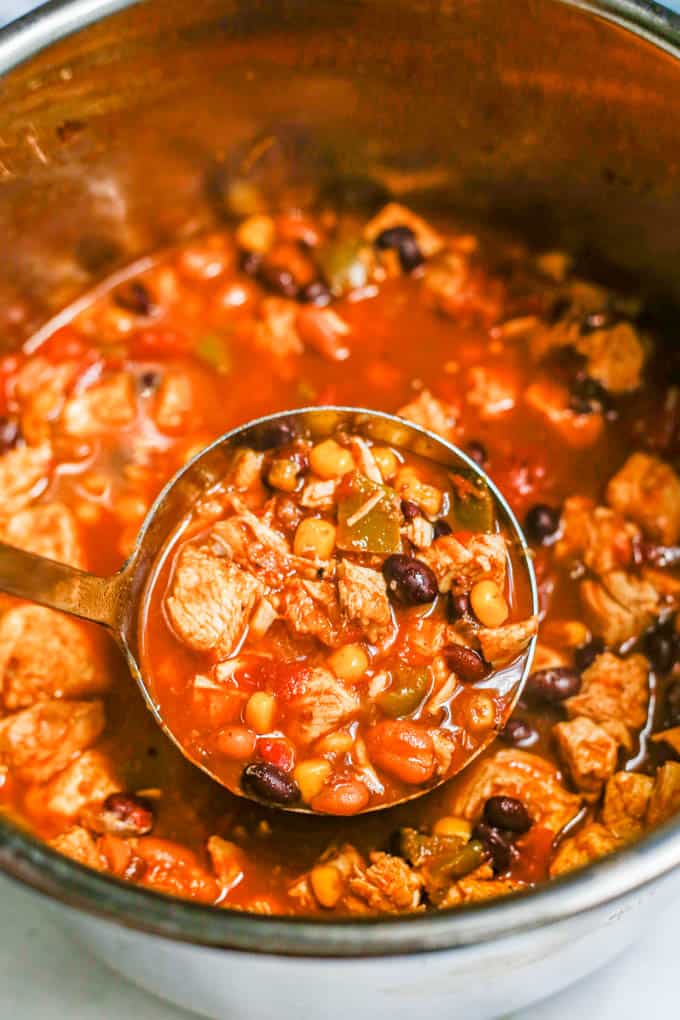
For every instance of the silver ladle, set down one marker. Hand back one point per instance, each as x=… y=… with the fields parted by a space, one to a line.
x=116 y=602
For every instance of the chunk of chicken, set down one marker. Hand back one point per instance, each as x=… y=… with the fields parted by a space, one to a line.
x=620 y=606
x=615 y=357
x=39 y=742
x=479 y=885
x=647 y=490
x=312 y=607
x=276 y=331
x=41 y=388
x=210 y=600
x=503 y=644
x=589 y=753
x=491 y=392
x=24 y=473
x=88 y=780
x=387 y=886
x=319 y=702
x=523 y=775
x=363 y=599
x=665 y=799
x=552 y=401
x=458 y=566
x=592 y=841
x=108 y=404
x=174 y=403
x=614 y=693
x=45 y=655
x=252 y=543
x=49 y=529
x=431 y=413
x=80 y=846
x=601 y=538
x=626 y=802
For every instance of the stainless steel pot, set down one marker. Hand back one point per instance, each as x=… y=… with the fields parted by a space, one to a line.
x=123 y=131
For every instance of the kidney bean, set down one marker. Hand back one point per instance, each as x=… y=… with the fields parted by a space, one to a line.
x=441 y=527
x=266 y=782
x=477 y=451
x=134 y=297
x=278 y=279
x=404 y=242
x=519 y=733
x=124 y=814
x=250 y=262
x=507 y=813
x=346 y=797
x=409 y=580
x=409 y=509
x=496 y=846
x=585 y=655
x=273 y=435
x=403 y=749
x=553 y=685
x=458 y=607
x=468 y=664
x=541 y=523
x=235 y=742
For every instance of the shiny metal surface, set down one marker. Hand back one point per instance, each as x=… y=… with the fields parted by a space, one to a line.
x=558 y=118
x=117 y=602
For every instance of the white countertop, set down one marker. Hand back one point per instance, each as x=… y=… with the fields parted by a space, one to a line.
x=44 y=976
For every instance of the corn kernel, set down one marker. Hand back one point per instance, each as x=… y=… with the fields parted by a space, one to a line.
x=409 y=486
x=330 y=460
x=327 y=885
x=566 y=633
x=314 y=538
x=260 y=711
x=449 y=825
x=339 y=742
x=256 y=234
x=489 y=604
x=283 y=475
x=311 y=775
x=480 y=713
x=388 y=465
x=349 y=662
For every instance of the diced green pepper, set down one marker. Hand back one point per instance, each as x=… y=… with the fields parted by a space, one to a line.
x=441 y=871
x=214 y=350
x=409 y=687
x=419 y=847
x=378 y=530
x=343 y=266
x=473 y=505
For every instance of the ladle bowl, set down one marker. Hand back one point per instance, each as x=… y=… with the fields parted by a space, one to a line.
x=117 y=602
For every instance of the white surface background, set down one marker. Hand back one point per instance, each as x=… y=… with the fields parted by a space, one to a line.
x=44 y=976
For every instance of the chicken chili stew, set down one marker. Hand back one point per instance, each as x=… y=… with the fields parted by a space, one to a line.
x=565 y=391
x=335 y=625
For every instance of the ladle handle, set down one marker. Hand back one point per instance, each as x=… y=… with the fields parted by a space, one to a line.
x=59 y=586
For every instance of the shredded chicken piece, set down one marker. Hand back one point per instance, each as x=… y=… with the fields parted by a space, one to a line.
x=459 y=566
x=387 y=886
x=614 y=693
x=589 y=752
x=24 y=474
x=431 y=413
x=363 y=598
x=648 y=491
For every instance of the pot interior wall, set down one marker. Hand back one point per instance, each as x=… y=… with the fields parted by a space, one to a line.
x=154 y=124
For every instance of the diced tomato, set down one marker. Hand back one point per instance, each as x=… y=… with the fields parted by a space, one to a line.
x=277 y=751
x=66 y=345
x=535 y=849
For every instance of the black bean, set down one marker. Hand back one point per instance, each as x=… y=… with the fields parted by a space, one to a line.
x=134 y=297
x=496 y=845
x=663 y=556
x=553 y=685
x=558 y=309
x=468 y=664
x=519 y=733
x=507 y=813
x=409 y=509
x=441 y=528
x=10 y=433
x=672 y=715
x=266 y=782
x=279 y=279
x=273 y=435
x=588 y=396
x=596 y=320
x=148 y=382
x=542 y=522
x=410 y=580
x=477 y=451
x=405 y=243
x=458 y=607
x=250 y=262
x=661 y=648
x=315 y=293
x=585 y=655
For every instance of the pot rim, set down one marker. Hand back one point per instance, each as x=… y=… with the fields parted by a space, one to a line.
x=605 y=883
